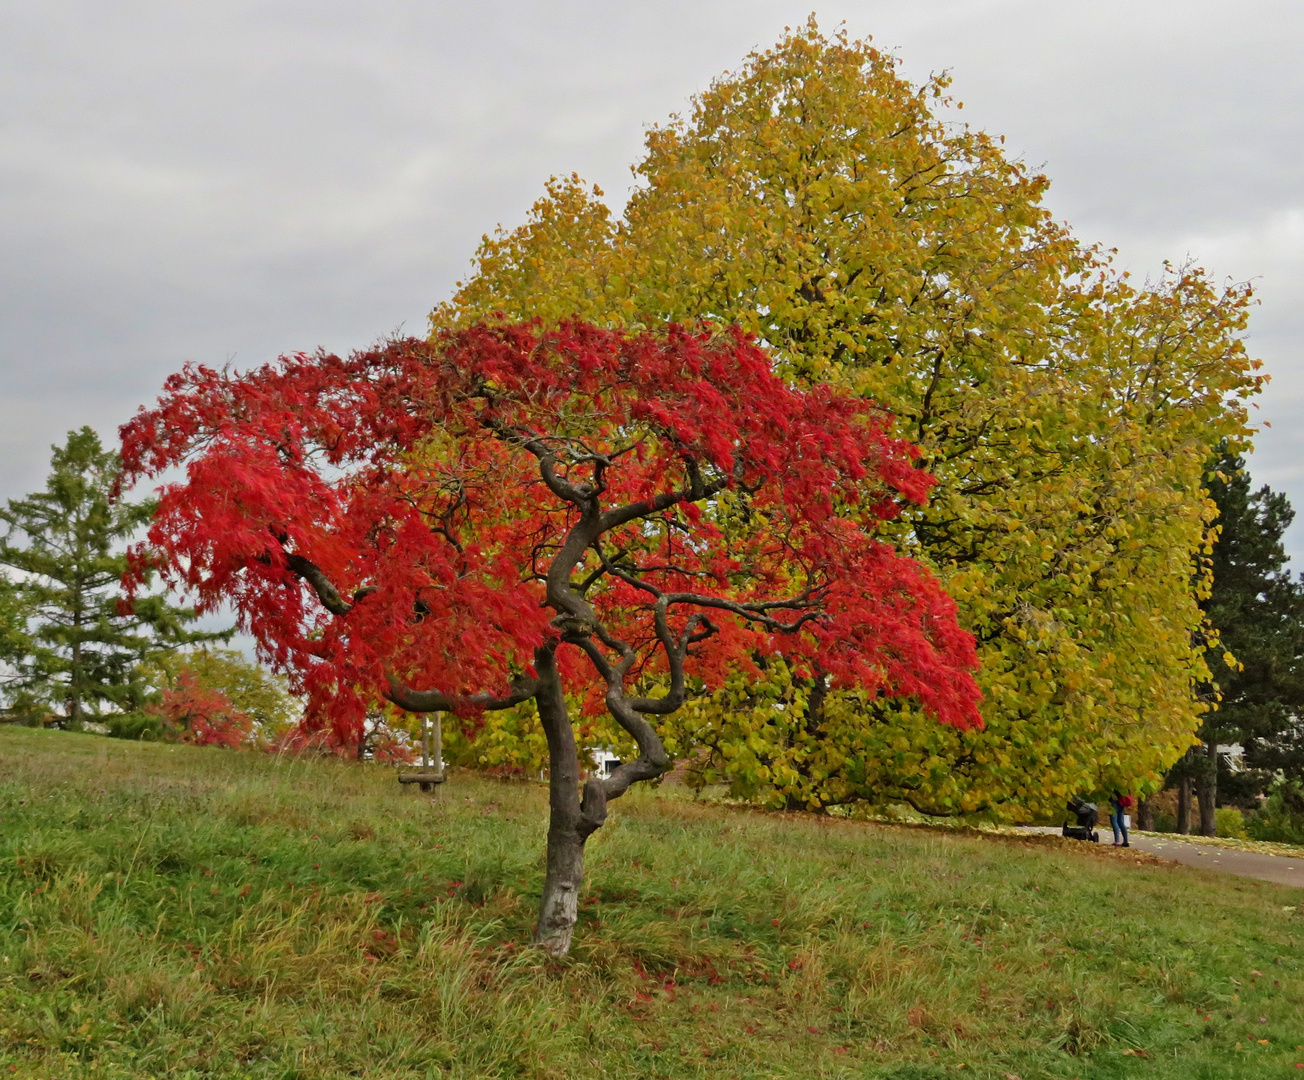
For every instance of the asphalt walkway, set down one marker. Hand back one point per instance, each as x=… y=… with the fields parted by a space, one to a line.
x=1282 y=869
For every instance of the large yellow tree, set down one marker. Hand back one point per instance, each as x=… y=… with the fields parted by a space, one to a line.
x=819 y=200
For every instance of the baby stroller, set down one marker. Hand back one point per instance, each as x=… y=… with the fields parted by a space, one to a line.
x=1087 y=814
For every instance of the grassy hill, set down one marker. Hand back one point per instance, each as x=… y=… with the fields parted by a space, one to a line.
x=169 y=911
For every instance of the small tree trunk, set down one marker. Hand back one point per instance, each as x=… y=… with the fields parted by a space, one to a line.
x=1145 y=815
x=75 y=720
x=1184 y=804
x=559 y=905
x=1207 y=791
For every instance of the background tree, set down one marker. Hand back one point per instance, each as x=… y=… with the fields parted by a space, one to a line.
x=252 y=689
x=201 y=715
x=1281 y=817
x=1257 y=609
x=819 y=200
x=506 y=515
x=64 y=547
x=14 y=643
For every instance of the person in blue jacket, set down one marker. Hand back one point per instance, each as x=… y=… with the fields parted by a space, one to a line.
x=1120 y=806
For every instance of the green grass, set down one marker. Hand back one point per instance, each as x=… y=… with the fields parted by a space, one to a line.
x=170 y=911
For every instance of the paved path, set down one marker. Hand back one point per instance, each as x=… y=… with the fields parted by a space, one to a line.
x=1282 y=869
x=1279 y=868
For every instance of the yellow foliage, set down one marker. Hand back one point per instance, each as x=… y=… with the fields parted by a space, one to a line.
x=816 y=198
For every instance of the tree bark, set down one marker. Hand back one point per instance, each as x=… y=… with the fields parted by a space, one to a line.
x=1145 y=815
x=1207 y=791
x=559 y=905
x=75 y=671
x=1184 y=804
x=74 y=681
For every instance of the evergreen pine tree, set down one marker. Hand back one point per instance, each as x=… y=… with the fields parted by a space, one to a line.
x=14 y=642
x=80 y=645
x=1257 y=607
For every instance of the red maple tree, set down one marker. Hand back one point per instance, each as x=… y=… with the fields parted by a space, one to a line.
x=509 y=515
x=202 y=715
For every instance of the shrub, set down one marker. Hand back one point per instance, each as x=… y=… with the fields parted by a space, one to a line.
x=26 y=710
x=1229 y=821
x=1282 y=817
x=1281 y=829
x=134 y=725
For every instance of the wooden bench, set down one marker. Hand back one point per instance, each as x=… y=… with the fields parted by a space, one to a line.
x=427 y=778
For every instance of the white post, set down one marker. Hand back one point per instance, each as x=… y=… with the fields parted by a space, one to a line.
x=438 y=727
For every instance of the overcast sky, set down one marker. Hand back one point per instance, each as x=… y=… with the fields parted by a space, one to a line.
x=212 y=181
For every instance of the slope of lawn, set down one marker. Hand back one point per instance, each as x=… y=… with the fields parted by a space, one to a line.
x=180 y=912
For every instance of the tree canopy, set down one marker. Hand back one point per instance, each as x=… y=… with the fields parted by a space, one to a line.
x=1257 y=608
x=506 y=515
x=822 y=202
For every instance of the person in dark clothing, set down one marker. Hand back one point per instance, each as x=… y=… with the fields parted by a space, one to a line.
x=1120 y=806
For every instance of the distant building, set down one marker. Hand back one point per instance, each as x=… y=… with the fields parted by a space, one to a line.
x=605 y=761
x=1233 y=755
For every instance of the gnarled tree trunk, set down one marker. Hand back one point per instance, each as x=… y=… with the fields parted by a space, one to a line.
x=572 y=819
x=559 y=905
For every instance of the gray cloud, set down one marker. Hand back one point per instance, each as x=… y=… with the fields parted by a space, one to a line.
x=208 y=181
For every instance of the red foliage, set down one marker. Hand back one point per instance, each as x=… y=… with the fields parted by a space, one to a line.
x=299 y=741
x=202 y=715
x=387 y=747
x=420 y=489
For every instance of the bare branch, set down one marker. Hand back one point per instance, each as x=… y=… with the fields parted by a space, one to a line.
x=651 y=762
x=326 y=592
x=588 y=582
x=537 y=445
x=627 y=578
x=808 y=603
x=522 y=689
x=419 y=701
